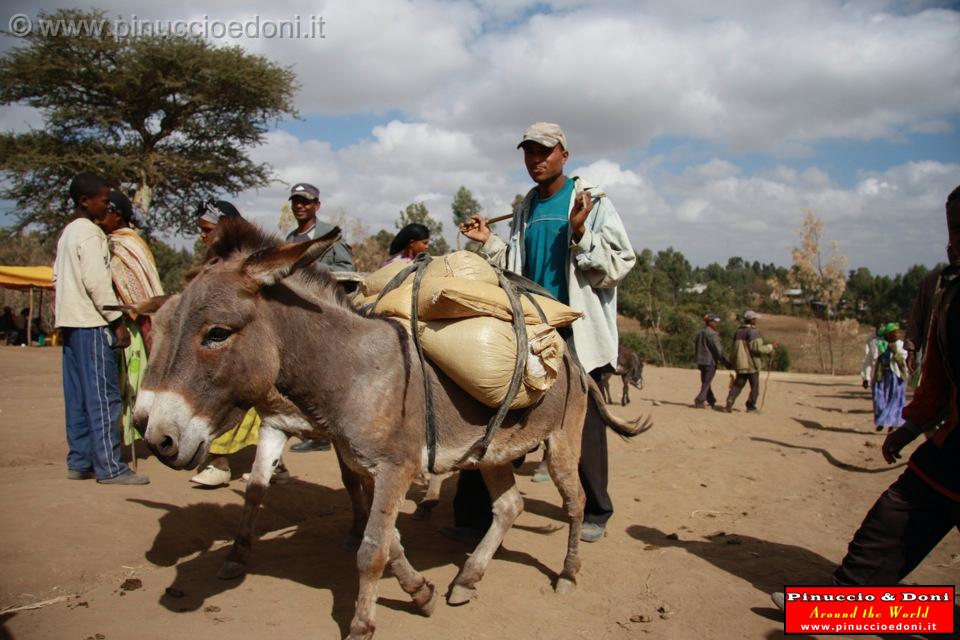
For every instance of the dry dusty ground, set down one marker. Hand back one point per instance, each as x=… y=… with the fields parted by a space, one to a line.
x=713 y=512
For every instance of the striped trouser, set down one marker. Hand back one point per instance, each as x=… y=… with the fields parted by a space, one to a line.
x=91 y=398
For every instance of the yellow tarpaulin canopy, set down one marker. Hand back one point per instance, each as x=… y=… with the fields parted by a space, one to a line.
x=26 y=277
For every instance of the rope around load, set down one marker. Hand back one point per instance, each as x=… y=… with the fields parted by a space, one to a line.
x=507 y=283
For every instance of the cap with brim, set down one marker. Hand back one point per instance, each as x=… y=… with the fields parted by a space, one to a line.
x=751 y=315
x=546 y=133
x=711 y=317
x=304 y=190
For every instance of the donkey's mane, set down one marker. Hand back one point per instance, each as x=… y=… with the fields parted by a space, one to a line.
x=236 y=236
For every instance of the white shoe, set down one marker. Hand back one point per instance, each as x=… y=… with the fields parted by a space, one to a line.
x=211 y=477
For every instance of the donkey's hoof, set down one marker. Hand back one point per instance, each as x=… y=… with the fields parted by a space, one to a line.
x=565 y=585
x=460 y=594
x=426 y=598
x=231 y=570
x=364 y=634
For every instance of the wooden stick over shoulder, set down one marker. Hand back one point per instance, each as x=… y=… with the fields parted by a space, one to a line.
x=470 y=224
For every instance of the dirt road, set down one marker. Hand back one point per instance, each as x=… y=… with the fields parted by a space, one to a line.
x=713 y=512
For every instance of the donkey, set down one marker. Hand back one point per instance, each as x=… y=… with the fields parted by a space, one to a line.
x=258 y=327
x=630 y=369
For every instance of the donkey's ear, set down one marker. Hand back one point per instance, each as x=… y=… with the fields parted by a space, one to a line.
x=269 y=266
x=146 y=308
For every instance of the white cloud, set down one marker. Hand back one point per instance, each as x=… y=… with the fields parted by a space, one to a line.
x=886 y=221
x=773 y=79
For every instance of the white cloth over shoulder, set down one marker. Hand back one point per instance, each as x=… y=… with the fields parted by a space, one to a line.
x=595 y=266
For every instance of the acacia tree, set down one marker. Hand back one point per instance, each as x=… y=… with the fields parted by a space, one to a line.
x=823 y=280
x=169 y=119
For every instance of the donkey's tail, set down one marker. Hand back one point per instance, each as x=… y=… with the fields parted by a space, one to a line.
x=626 y=429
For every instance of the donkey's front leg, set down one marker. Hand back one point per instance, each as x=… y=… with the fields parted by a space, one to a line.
x=507 y=505
x=390 y=485
x=269 y=449
x=421 y=590
x=360 y=497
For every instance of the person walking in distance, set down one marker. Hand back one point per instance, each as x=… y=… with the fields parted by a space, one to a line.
x=709 y=354
x=748 y=349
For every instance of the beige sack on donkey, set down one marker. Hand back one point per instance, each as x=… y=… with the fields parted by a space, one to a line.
x=450 y=298
x=479 y=354
x=377 y=280
x=461 y=264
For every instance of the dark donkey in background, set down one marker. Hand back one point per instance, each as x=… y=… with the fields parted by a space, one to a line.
x=258 y=327
x=630 y=369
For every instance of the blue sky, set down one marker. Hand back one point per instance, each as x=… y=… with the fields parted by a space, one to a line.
x=712 y=126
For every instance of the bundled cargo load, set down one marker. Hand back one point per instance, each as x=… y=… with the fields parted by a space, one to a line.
x=480 y=354
x=466 y=327
x=462 y=264
x=451 y=298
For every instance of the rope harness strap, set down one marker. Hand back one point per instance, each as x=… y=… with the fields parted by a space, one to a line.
x=511 y=283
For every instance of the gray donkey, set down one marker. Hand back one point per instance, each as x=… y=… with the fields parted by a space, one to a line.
x=257 y=326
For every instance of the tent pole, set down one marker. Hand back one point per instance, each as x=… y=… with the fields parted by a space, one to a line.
x=30 y=316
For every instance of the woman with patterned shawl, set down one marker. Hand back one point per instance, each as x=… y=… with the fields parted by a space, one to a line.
x=135 y=279
x=885 y=370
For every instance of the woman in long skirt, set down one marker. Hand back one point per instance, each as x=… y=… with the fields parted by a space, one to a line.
x=889 y=375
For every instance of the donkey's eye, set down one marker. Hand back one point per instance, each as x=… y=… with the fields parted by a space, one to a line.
x=216 y=335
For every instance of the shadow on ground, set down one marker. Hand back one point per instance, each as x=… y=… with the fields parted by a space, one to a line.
x=830 y=458
x=306 y=525
x=818 y=426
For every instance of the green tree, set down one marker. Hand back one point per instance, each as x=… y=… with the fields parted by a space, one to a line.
x=676 y=269
x=417 y=212
x=369 y=253
x=860 y=290
x=172 y=265
x=167 y=118
x=464 y=206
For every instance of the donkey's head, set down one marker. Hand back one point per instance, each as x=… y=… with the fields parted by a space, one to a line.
x=215 y=349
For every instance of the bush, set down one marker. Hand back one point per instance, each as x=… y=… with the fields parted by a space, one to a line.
x=644 y=345
x=780 y=359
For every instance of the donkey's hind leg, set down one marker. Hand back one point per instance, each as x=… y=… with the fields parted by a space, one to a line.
x=269 y=449
x=432 y=497
x=563 y=455
x=605 y=388
x=361 y=493
x=507 y=505
x=379 y=537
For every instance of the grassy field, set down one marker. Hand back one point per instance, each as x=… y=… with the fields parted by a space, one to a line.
x=798 y=335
